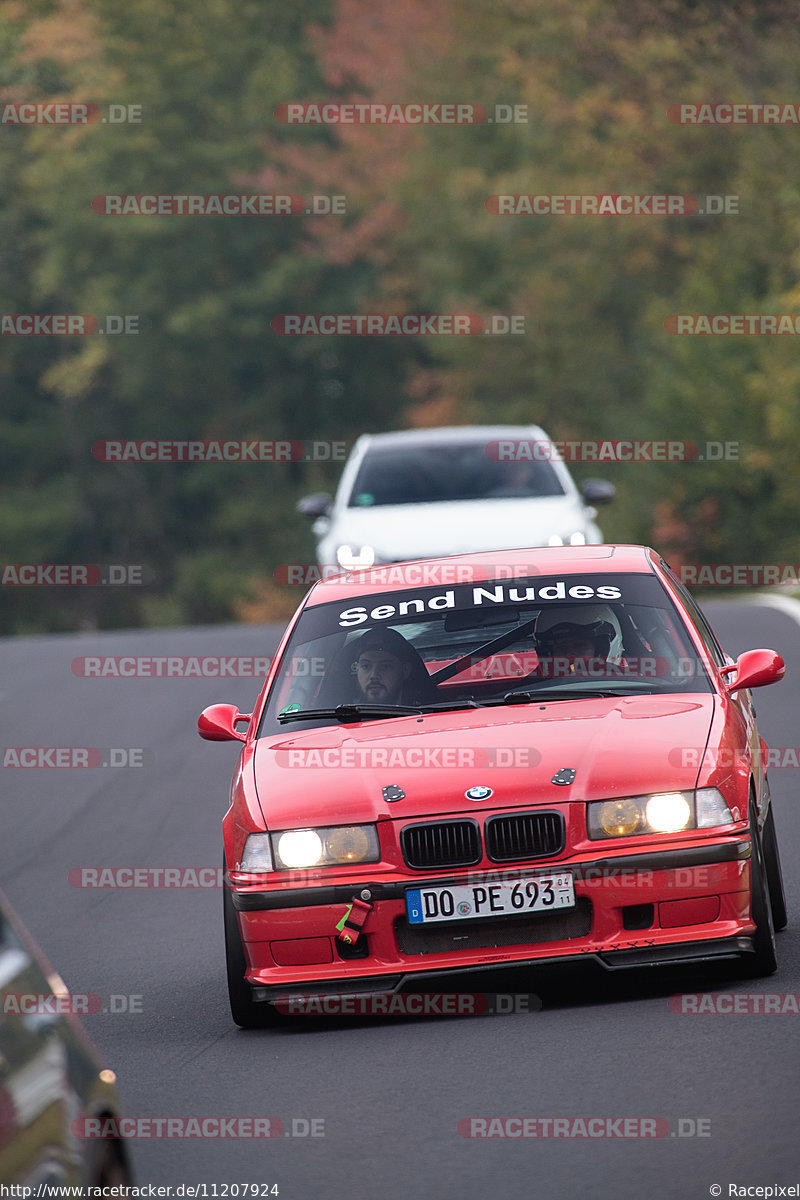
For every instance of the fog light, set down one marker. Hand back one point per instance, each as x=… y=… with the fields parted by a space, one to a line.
x=347 y=845
x=620 y=818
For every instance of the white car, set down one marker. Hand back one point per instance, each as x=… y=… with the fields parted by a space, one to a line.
x=425 y=493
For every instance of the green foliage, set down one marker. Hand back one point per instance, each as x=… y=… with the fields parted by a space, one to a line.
x=596 y=360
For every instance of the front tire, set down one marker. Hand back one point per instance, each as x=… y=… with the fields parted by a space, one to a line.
x=764 y=961
x=107 y=1164
x=772 y=866
x=245 y=1011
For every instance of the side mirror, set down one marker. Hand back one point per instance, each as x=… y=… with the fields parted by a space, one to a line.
x=755 y=668
x=217 y=723
x=318 y=505
x=597 y=491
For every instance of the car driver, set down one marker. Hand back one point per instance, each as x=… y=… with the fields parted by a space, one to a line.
x=383 y=666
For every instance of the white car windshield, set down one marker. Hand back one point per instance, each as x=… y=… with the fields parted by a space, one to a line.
x=442 y=471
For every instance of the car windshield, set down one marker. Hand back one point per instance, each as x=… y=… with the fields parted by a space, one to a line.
x=447 y=470
x=497 y=642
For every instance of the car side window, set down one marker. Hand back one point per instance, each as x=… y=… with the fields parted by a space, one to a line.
x=698 y=620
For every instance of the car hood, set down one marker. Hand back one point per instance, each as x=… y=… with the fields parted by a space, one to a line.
x=407 y=531
x=616 y=747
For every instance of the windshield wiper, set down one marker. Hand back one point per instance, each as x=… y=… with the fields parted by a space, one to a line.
x=354 y=712
x=556 y=694
x=350 y=712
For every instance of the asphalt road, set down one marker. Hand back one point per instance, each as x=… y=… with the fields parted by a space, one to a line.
x=389 y=1094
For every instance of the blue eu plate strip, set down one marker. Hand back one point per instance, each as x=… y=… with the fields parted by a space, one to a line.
x=414 y=906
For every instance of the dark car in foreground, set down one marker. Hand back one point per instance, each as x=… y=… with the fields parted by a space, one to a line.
x=54 y=1089
x=493 y=760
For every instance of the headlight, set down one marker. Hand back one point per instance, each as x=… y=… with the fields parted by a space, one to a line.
x=668 y=813
x=336 y=846
x=663 y=812
x=298 y=848
x=578 y=538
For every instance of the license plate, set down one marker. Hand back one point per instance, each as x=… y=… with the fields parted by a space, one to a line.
x=510 y=898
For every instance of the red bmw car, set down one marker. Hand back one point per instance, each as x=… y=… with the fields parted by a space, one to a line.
x=496 y=760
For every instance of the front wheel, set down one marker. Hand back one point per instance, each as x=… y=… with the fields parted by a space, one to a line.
x=764 y=960
x=107 y=1165
x=245 y=1011
x=772 y=866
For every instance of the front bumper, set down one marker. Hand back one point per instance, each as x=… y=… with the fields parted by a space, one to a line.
x=689 y=904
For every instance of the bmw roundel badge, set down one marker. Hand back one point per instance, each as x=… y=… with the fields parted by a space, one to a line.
x=479 y=793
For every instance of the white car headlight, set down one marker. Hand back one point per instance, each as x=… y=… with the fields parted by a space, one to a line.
x=350 y=560
x=578 y=538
